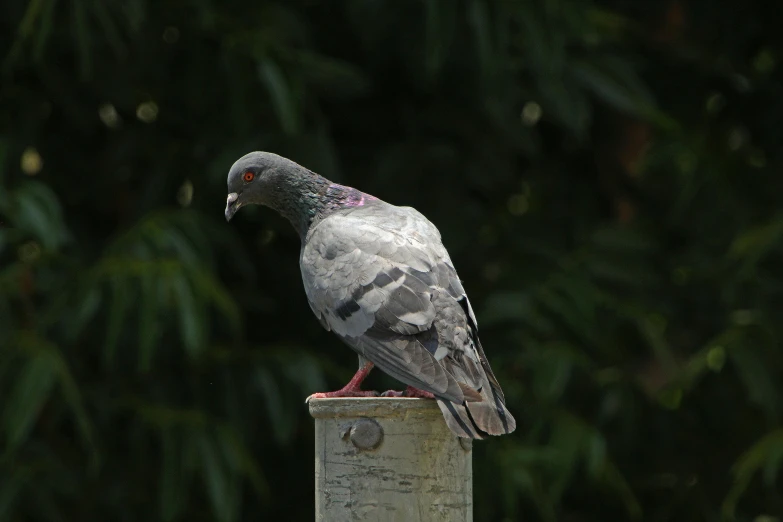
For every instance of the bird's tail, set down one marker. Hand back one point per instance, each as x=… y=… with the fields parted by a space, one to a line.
x=478 y=418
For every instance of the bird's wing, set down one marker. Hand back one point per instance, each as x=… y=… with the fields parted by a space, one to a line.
x=370 y=275
x=380 y=278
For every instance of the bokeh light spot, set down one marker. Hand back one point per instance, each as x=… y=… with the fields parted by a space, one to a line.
x=765 y=61
x=185 y=194
x=31 y=162
x=147 y=112
x=531 y=113
x=109 y=116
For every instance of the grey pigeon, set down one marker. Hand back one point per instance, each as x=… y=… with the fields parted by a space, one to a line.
x=378 y=276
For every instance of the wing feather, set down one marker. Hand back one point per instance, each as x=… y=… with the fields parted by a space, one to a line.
x=380 y=279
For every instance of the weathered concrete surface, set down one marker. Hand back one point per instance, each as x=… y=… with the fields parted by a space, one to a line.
x=418 y=470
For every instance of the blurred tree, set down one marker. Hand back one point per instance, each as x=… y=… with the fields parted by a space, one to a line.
x=605 y=175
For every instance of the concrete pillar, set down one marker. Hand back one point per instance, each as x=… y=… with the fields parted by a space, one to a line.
x=389 y=460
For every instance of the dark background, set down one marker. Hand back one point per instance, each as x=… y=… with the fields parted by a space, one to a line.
x=605 y=174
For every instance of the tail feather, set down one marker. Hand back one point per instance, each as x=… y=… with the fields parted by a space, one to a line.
x=458 y=420
x=476 y=420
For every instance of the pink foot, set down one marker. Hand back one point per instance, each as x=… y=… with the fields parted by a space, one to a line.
x=410 y=391
x=342 y=393
x=352 y=389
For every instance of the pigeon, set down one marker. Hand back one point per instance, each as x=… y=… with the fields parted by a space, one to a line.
x=379 y=277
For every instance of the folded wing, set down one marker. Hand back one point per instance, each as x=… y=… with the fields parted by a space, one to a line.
x=380 y=278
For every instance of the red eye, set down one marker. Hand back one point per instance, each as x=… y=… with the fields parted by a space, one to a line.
x=248 y=177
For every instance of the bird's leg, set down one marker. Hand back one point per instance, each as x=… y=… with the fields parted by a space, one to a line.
x=410 y=391
x=353 y=388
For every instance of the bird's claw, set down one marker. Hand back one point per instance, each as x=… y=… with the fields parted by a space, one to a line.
x=410 y=391
x=342 y=393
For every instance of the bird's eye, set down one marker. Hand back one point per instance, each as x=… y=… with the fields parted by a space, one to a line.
x=248 y=177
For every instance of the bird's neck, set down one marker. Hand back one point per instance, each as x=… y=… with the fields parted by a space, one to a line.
x=306 y=197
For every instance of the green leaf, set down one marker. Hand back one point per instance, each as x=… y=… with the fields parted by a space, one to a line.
x=26 y=28
x=478 y=17
x=595 y=454
x=73 y=397
x=45 y=29
x=754 y=244
x=283 y=100
x=327 y=74
x=768 y=449
x=305 y=371
x=82 y=34
x=438 y=34
x=84 y=311
x=110 y=30
x=279 y=418
x=36 y=210
x=653 y=329
x=149 y=330
x=506 y=306
x=553 y=372
x=31 y=390
x=616 y=83
x=614 y=478
x=118 y=311
x=754 y=373
x=241 y=459
x=191 y=318
x=565 y=104
x=172 y=489
x=210 y=289
x=562 y=308
x=10 y=487
x=168 y=238
x=221 y=491
x=625 y=241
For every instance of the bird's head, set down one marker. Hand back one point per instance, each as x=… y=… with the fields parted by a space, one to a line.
x=252 y=178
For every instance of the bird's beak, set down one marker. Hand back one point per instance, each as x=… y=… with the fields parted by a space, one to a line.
x=232 y=205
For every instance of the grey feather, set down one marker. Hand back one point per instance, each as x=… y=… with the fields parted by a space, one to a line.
x=379 y=277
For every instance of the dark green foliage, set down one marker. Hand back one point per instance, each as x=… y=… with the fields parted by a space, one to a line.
x=605 y=174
